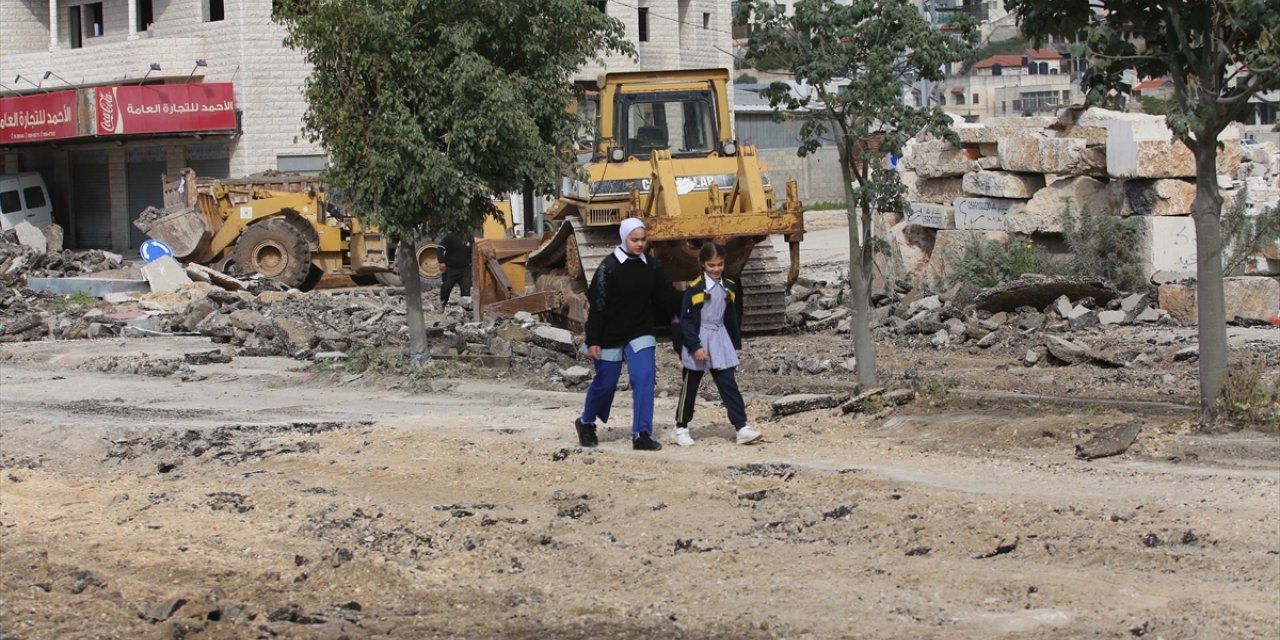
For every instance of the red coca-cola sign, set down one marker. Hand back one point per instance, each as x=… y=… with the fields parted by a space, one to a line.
x=166 y=108
x=107 y=120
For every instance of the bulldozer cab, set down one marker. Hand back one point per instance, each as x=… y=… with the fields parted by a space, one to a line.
x=682 y=112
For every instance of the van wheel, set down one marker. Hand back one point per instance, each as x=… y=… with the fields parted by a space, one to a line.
x=274 y=249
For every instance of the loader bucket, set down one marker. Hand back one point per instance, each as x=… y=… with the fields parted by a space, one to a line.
x=181 y=227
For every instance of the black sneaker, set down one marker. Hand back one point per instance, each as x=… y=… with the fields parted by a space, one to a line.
x=644 y=442
x=586 y=433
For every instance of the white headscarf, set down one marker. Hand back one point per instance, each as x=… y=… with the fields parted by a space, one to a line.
x=628 y=225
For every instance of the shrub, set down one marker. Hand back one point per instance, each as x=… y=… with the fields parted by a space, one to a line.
x=1244 y=235
x=985 y=263
x=1103 y=245
x=1249 y=400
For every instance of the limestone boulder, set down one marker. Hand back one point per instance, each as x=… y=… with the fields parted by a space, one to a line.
x=1065 y=156
x=1168 y=245
x=1147 y=149
x=937 y=190
x=1044 y=212
x=1002 y=184
x=936 y=159
x=1168 y=197
x=991 y=130
x=1245 y=297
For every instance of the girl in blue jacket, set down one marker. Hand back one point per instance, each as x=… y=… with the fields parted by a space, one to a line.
x=711 y=323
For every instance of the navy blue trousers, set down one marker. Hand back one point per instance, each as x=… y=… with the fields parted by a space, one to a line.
x=642 y=375
x=726 y=383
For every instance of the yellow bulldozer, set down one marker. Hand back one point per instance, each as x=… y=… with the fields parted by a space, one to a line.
x=283 y=227
x=664 y=152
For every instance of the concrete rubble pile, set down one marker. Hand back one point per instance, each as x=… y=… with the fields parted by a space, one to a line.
x=1018 y=176
x=1034 y=320
x=22 y=318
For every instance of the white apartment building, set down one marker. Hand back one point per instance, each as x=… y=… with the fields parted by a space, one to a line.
x=103 y=97
x=1038 y=81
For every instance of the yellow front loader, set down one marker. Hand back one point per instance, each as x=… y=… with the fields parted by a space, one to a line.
x=282 y=227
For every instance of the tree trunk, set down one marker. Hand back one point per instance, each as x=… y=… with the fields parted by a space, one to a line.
x=1206 y=212
x=407 y=265
x=859 y=281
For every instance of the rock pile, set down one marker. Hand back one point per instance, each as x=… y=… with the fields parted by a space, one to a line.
x=1020 y=175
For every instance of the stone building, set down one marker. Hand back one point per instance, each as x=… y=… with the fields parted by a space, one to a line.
x=103 y=97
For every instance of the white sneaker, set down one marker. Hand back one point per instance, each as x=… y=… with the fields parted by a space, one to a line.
x=681 y=437
x=747 y=435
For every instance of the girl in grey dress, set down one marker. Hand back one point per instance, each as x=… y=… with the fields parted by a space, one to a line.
x=710 y=321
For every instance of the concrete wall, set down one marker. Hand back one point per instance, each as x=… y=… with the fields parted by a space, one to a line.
x=817 y=175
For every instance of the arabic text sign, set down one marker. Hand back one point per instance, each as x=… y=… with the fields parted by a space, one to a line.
x=165 y=108
x=928 y=215
x=45 y=116
x=983 y=213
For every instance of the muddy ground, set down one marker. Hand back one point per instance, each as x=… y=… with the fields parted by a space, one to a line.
x=268 y=498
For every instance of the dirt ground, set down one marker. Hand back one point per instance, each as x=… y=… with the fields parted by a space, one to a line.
x=263 y=498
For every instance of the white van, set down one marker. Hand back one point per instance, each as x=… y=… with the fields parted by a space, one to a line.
x=23 y=196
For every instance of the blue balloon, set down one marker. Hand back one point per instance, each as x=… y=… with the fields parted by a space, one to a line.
x=153 y=250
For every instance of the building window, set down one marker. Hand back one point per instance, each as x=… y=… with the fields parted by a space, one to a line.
x=975 y=98
x=1044 y=68
x=959 y=98
x=94 y=18
x=146 y=15
x=1066 y=96
x=75 y=22
x=1031 y=69
x=706 y=20
x=644 y=23
x=213 y=11
x=997 y=70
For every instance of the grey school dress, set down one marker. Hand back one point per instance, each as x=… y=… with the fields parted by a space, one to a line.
x=714 y=337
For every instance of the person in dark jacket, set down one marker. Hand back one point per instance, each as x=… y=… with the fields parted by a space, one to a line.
x=628 y=293
x=711 y=323
x=454 y=254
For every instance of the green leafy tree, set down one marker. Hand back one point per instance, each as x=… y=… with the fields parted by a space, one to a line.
x=856 y=59
x=1218 y=54
x=428 y=108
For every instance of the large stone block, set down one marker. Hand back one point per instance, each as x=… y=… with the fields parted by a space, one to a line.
x=1147 y=149
x=1065 y=156
x=1002 y=184
x=1091 y=124
x=1168 y=197
x=1168 y=244
x=1044 y=212
x=940 y=160
x=1252 y=298
x=986 y=214
x=937 y=190
x=991 y=130
x=949 y=245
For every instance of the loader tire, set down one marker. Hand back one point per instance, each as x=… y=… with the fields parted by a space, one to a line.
x=274 y=249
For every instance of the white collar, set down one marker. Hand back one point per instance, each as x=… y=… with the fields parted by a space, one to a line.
x=712 y=282
x=622 y=256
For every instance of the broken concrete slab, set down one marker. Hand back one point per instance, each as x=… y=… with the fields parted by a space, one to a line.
x=165 y=274
x=555 y=339
x=96 y=287
x=864 y=402
x=202 y=273
x=31 y=236
x=1040 y=291
x=1111 y=317
x=1110 y=441
x=801 y=402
